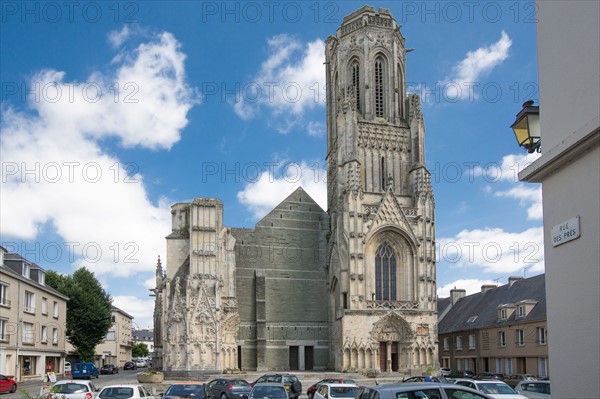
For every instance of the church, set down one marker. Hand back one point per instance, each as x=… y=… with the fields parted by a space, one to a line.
x=352 y=287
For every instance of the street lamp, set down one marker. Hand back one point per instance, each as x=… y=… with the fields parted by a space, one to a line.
x=527 y=127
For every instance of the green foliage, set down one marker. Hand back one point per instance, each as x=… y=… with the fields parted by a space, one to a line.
x=140 y=350
x=89 y=310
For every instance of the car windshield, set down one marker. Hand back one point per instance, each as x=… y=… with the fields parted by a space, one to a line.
x=269 y=392
x=289 y=379
x=342 y=392
x=239 y=383
x=185 y=391
x=116 y=393
x=497 y=388
x=70 y=388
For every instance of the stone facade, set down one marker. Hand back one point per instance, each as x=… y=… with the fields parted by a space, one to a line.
x=350 y=288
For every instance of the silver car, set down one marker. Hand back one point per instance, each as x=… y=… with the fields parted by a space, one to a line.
x=419 y=390
x=70 y=389
x=534 y=389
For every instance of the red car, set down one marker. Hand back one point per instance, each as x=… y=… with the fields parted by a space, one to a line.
x=7 y=384
x=310 y=392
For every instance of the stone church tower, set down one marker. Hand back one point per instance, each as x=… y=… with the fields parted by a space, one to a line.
x=305 y=289
x=381 y=259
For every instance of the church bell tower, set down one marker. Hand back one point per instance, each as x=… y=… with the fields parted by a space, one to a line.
x=381 y=258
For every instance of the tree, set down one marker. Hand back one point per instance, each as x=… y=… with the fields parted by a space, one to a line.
x=89 y=310
x=140 y=350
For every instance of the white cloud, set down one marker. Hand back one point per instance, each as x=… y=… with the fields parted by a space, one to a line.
x=117 y=38
x=56 y=173
x=468 y=72
x=142 y=309
x=290 y=81
x=529 y=195
x=316 y=129
x=261 y=196
x=471 y=286
x=494 y=250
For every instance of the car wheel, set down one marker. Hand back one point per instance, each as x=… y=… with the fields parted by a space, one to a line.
x=223 y=396
x=310 y=395
x=296 y=387
x=13 y=389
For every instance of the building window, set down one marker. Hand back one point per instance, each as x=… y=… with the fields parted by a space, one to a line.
x=502 y=314
x=379 y=88
x=41 y=277
x=28 y=334
x=542 y=334
x=55 y=336
x=471 y=341
x=26 y=270
x=356 y=83
x=55 y=310
x=4 y=301
x=520 y=337
x=3 y=335
x=110 y=336
x=44 y=334
x=501 y=339
x=508 y=366
x=459 y=343
x=385 y=274
x=44 y=306
x=29 y=303
x=446 y=344
x=521 y=311
x=472 y=319
x=543 y=366
x=382 y=171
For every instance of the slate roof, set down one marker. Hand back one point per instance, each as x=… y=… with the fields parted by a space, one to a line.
x=484 y=305
x=143 y=335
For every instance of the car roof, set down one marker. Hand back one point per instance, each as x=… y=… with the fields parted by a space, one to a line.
x=123 y=386
x=268 y=384
x=187 y=383
x=340 y=384
x=73 y=382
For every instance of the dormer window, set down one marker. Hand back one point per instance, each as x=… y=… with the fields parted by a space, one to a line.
x=472 y=319
x=26 y=270
x=41 y=277
x=502 y=314
x=521 y=311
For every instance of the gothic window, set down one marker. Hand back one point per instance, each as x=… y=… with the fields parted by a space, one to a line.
x=379 y=95
x=385 y=274
x=382 y=170
x=356 y=83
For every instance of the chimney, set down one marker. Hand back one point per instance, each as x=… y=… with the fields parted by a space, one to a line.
x=487 y=287
x=455 y=295
x=513 y=279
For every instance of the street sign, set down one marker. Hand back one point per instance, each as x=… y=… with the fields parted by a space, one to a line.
x=565 y=231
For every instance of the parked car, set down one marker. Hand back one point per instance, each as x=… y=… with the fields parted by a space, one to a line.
x=228 y=388
x=461 y=374
x=312 y=389
x=129 y=366
x=70 y=389
x=179 y=390
x=494 y=388
x=67 y=371
x=420 y=378
x=268 y=390
x=486 y=375
x=421 y=390
x=445 y=371
x=125 y=391
x=333 y=391
x=7 y=384
x=84 y=370
x=514 y=379
x=534 y=389
x=109 y=369
x=141 y=363
x=290 y=381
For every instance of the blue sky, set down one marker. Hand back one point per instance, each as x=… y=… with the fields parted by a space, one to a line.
x=113 y=111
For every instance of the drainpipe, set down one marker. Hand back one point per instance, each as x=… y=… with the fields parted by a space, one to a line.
x=19 y=320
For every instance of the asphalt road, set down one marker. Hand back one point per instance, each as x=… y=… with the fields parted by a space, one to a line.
x=32 y=390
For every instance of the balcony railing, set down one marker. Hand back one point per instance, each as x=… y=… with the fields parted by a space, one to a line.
x=5 y=302
x=29 y=309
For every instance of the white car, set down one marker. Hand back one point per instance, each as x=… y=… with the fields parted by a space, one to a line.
x=494 y=388
x=534 y=389
x=335 y=391
x=70 y=389
x=125 y=391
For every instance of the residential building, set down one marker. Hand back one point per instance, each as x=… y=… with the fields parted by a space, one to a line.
x=500 y=329
x=116 y=347
x=145 y=336
x=32 y=320
x=305 y=289
x=568 y=168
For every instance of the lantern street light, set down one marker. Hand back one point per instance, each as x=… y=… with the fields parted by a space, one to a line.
x=527 y=127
